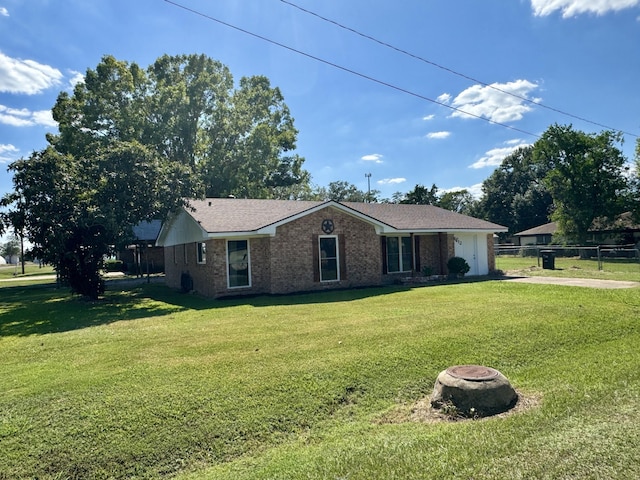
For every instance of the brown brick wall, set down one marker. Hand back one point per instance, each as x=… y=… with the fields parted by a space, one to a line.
x=292 y=256
x=430 y=253
x=285 y=263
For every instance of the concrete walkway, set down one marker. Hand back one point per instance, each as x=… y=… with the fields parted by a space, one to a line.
x=574 y=282
x=118 y=277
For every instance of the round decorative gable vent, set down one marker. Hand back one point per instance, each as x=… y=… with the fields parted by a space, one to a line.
x=327 y=226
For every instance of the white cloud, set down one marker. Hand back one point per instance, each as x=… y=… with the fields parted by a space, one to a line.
x=76 y=78
x=391 y=181
x=438 y=135
x=571 y=8
x=474 y=190
x=26 y=76
x=495 y=156
x=44 y=118
x=4 y=12
x=428 y=117
x=495 y=102
x=26 y=118
x=6 y=151
x=374 y=157
x=444 y=98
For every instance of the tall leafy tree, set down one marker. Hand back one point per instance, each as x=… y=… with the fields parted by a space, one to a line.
x=11 y=247
x=250 y=151
x=460 y=201
x=635 y=185
x=341 y=191
x=134 y=143
x=586 y=177
x=422 y=195
x=75 y=210
x=515 y=194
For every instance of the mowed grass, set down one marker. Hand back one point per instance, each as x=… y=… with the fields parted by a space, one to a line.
x=30 y=270
x=572 y=267
x=149 y=383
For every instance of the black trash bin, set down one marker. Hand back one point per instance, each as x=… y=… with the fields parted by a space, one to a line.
x=548 y=259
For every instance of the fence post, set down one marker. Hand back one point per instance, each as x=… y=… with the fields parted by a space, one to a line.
x=599 y=259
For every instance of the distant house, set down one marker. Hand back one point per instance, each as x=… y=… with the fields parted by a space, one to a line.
x=143 y=256
x=540 y=235
x=222 y=247
x=623 y=230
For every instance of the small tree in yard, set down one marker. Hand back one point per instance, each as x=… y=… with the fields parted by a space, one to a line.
x=11 y=248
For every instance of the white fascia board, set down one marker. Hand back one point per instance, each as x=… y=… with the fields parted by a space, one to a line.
x=270 y=230
x=181 y=228
x=446 y=230
x=252 y=234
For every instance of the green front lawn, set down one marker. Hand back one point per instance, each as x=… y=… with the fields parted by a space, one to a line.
x=150 y=383
x=572 y=267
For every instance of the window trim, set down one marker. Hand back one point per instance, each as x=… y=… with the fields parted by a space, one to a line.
x=337 y=258
x=401 y=253
x=201 y=253
x=248 y=285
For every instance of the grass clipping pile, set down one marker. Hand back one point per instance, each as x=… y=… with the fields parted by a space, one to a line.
x=464 y=392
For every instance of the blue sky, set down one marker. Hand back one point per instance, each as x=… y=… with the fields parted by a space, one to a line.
x=381 y=111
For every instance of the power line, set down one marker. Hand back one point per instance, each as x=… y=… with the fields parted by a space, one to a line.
x=454 y=72
x=345 y=69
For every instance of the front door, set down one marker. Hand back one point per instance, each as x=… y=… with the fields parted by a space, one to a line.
x=467 y=247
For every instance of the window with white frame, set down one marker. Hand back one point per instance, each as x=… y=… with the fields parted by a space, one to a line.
x=329 y=261
x=238 y=263
x=201 y=252
x=399 y=257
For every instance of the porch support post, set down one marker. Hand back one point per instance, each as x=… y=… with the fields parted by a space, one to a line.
x=413 y=255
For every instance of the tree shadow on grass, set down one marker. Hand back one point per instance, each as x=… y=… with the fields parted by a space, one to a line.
x=39 y=310
x=43 y=309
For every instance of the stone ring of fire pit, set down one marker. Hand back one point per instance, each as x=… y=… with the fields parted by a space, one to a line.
x=474 y=390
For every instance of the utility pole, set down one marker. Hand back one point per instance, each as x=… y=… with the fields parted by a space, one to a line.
x=368 y=175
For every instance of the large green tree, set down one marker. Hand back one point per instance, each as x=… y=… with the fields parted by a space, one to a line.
x=515 y=194
x=75 y=210
x=460 y=201
x=421 y=195
x=635 y=182
x=134 y=143
x=586 y=177
x=232 y=141
x=341 y=191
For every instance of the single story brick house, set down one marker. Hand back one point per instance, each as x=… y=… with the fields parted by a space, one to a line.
x=225 y=246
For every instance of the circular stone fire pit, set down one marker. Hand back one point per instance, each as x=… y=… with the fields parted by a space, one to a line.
x=473 y=390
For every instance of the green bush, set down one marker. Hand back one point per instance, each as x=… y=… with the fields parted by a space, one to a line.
x=114 y=266
x=458 y=266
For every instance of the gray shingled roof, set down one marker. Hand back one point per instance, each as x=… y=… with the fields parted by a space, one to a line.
x=421 y=217
x=219 y=215
x=546 y=229
x=147 y=231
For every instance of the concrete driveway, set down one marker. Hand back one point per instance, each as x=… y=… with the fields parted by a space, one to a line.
x=574 y=282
